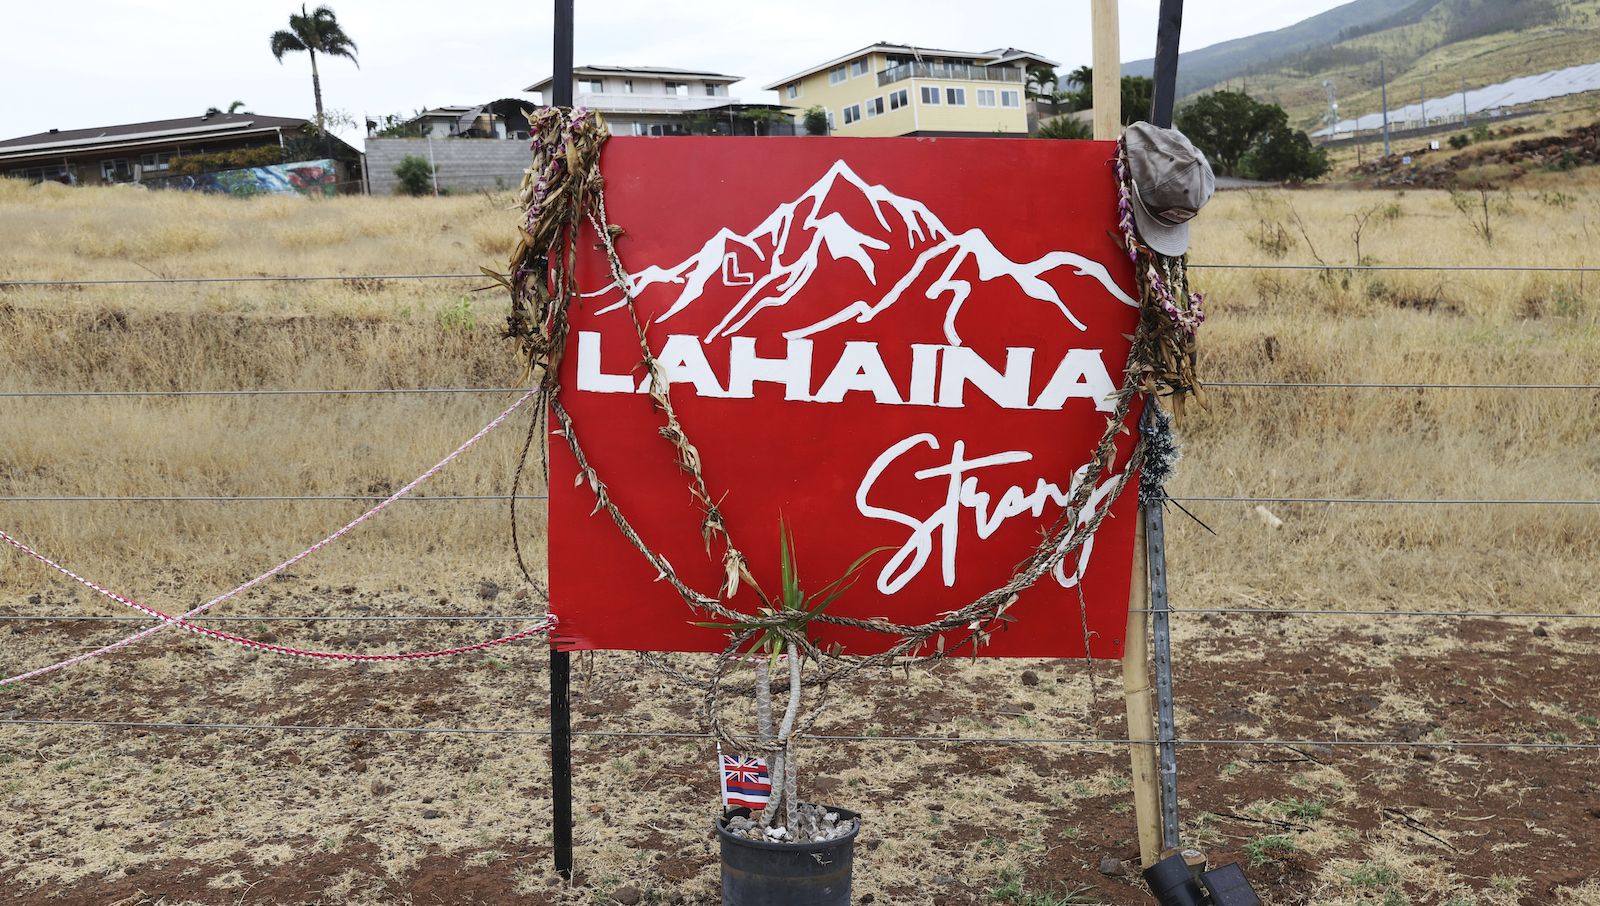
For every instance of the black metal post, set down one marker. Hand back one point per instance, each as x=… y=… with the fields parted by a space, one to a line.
x=561 y=88
x=1168 y=26
x=561 y=661
x=561 y=758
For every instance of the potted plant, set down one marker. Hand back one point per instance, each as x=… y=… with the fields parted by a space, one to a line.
x=786 y=851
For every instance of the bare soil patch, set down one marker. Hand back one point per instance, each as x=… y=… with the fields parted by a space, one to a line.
x=193 y=814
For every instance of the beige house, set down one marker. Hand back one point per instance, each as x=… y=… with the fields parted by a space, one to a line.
x=898 y=89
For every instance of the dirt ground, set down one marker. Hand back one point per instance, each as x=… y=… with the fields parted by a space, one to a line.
x=189 y=813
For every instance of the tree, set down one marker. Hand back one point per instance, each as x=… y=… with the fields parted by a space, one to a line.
x=317 y=31
x=1040 y=82
x=816 y=120
x=763 y=117
x=1227 y=124
x=415 y=175
x=1136 y=94
x=1286 y=155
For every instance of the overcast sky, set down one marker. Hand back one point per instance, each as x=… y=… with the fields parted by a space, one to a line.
x=86 y=63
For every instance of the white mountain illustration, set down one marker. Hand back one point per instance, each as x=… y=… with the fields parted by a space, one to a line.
x=796 y=235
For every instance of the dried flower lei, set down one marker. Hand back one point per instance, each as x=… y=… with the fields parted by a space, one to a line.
x=1172 y=313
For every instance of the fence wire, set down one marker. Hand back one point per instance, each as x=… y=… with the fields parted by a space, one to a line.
x=1294 y=745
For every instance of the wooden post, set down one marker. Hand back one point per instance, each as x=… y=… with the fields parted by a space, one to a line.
x=1136 y=692
x=1107 y=71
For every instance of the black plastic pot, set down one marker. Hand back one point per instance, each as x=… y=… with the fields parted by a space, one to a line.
x=758 y=873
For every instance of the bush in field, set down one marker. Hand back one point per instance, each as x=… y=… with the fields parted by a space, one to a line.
x=1286 y=155
x=415 y=175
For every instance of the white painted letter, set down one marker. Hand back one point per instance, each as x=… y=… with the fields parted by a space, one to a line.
x=684 y=361
x=745 y=368
x=1083 y=374
x=924 y=369
x=590 y=377
x=859 y=368
x=962 y=364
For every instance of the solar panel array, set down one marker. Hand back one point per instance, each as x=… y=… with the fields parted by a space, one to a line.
x=1525 y=90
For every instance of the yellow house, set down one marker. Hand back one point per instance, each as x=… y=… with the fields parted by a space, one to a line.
x=897 y=89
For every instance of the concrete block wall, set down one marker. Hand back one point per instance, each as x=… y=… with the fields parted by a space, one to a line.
x=464 y=163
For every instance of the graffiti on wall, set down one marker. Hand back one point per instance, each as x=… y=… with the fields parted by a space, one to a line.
x=310 y=177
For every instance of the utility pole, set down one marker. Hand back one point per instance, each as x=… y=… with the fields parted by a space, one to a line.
x=1383 y=80
x=433 y=168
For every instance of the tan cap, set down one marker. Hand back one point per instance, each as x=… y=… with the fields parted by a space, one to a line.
x=1171 y=183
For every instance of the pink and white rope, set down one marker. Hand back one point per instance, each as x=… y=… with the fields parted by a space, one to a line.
x=182 y=621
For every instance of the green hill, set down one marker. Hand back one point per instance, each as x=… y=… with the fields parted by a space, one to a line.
x=1426 y=46
x=1198 y=69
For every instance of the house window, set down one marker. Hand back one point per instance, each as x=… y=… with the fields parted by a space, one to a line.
x=681 y=89
x=641 y=128
x=155 y=162
x=831 y=126
x=930 y=94
x=1011 y=99
x=838 y=74
x=874 y=107
x=898 y=99
x=792 y=91
x=955 y=97
x=852 y=114
x=591 y=86
x=115 y=170
x=860 y=67
x=627 y=86
x=716 y=91
x=984 y=97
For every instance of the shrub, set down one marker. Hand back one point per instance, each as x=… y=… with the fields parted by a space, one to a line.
x=816 y=120
x=1286 y=155
x=1459 y=140
x=1065 y=127
x=415 y=175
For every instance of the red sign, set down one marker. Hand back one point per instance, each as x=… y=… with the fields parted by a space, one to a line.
x=901 y=343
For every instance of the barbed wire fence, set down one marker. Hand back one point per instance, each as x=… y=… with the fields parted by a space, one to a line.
x=7 y=505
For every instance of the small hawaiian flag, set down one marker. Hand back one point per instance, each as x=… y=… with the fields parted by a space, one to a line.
x=745 y=782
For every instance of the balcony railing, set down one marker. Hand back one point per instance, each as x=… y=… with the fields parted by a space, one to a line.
x=959 y=71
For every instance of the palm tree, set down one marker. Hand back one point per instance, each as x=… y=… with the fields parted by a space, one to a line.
x=312 y=32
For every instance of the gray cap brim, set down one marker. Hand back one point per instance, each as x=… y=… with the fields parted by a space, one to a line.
x=1169 y=239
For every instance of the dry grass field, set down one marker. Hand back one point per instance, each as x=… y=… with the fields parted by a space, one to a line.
x=196 y=814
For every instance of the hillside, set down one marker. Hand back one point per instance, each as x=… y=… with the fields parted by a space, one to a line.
x=1427 y=46
x=1198 y=69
